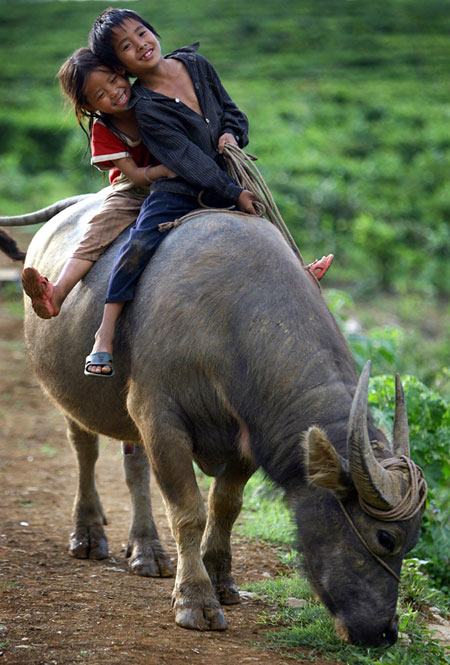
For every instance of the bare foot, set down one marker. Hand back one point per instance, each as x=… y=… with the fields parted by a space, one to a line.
x=56 y=299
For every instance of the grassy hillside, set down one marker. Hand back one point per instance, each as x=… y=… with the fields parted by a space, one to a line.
x=348 y=106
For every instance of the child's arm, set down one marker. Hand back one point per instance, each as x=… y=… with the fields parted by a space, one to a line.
x=182 y=154
x=186 y=158
x=109 y=150
x=234 y=121
x=142 y=175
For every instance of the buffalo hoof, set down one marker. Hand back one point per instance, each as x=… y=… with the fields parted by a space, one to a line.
x=198 y=613
x=206 y=618
x=149 y=559
x=88 y=543
x=225 y=588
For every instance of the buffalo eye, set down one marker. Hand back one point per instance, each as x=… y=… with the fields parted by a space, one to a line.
x=386 y=540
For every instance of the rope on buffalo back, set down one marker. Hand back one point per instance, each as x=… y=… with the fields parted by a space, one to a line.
x=241 y=166
x=167 y=226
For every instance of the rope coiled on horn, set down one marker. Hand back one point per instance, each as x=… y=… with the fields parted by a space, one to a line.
x=409 y=506
x=414 y=498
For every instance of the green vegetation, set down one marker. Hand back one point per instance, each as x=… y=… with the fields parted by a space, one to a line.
x=348 y=106
x=310 y=627
x=348 y=109
x=425 y=575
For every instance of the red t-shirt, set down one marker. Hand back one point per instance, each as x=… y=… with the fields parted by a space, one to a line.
x=107 y=146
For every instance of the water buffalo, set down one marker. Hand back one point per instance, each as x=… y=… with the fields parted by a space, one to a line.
x=229 y=356
x=146 y=555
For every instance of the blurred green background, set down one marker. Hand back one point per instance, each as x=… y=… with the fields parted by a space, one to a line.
x=349 y=108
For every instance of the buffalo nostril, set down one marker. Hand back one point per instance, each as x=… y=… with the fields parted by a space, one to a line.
x=391 y=633
x=370 y=635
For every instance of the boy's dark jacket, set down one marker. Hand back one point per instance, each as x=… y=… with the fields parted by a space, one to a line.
x=185 y=141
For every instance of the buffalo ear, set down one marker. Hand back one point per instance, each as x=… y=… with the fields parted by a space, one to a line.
x=324 y=466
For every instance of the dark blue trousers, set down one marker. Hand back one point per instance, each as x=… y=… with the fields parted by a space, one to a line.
x=143 y=241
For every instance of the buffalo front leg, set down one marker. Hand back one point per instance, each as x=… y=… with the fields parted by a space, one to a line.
x=224 y=505
x=193 y=598
x=147 y=556
x=88 y=540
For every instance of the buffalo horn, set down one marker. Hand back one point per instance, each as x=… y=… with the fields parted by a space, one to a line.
x=401 y=430
x=377 y=486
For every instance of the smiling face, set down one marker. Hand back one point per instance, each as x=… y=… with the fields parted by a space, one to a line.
x=107 y=91
x=136 y=47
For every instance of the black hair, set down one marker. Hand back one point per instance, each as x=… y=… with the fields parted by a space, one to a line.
x=73 y=76
x=100 y=36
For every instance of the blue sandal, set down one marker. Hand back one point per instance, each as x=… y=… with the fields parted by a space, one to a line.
x=102 y=358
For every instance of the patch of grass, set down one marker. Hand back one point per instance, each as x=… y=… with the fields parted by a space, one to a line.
x=311 y=628
x=11 y=290
x=266 y=514
x=278 y=590
x=28 y=504
x=415 y=587
x=267 y=517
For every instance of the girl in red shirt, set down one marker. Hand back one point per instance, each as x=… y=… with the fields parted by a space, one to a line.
x=100 y=96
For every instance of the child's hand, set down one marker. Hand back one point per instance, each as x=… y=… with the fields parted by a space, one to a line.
x=226 y=138
x=153 y=173
x=245 y=202
x=166 y=173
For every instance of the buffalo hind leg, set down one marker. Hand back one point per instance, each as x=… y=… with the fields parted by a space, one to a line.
x=147 y=556
x=88 y=540
x=193 y=598
x=224 y=505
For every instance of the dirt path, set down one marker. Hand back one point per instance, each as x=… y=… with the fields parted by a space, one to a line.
x=55 y=610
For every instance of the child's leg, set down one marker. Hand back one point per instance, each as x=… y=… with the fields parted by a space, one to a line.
x=144 y=240
x=133 y=257
x=116 y=213
x=73 y=271
x=104 y=338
